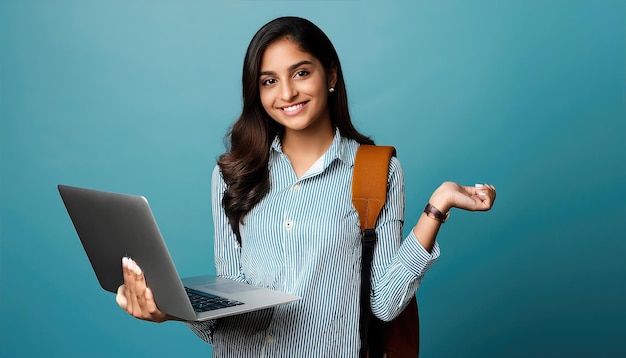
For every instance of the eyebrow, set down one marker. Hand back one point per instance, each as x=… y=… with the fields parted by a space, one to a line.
x=291 y=68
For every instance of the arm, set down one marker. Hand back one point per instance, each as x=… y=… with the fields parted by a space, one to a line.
x=399 y=266
x=227 y=250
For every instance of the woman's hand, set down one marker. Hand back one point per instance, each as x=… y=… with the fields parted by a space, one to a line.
x=479 y=197
x=135 y=297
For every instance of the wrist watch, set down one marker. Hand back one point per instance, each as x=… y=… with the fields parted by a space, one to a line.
x=436 y=214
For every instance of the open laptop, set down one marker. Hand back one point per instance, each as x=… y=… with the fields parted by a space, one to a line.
x=112 y=225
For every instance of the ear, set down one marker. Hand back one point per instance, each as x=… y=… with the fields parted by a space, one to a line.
x=332 y=76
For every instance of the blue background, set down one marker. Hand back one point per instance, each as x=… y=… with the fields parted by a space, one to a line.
x=136 y=96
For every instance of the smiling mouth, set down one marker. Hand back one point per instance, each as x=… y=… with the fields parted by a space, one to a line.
x=293 y=108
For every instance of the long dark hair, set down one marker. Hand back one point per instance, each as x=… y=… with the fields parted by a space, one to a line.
x=244 y=166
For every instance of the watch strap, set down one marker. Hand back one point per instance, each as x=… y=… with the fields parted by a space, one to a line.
x=436 y=214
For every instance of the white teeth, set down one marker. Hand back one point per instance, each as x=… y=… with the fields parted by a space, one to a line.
x=293 y=108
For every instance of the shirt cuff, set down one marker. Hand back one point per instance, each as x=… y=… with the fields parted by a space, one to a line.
x=204 y=330
x=415 y=257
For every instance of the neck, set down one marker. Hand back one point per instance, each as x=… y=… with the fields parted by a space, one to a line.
x=304 y=148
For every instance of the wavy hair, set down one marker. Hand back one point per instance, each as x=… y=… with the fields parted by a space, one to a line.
x=244 y=166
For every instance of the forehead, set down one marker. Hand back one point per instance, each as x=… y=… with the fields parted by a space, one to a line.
x=283 y=53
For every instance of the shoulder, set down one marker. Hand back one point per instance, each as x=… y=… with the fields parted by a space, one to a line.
x=217 y=180
x=395 y=168
x=347 y=149
x=394 y=164
x=217 y=173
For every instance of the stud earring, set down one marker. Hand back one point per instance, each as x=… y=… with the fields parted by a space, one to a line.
x=331 y=90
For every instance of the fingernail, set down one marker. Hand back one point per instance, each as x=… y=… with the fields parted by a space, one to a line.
x=124 y=260
x=482 y=193
x=478 y=186
x=131 y=264
x=137 y=269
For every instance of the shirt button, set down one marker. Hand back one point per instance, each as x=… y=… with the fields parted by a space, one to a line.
x=288 y=224
x=269 y=339
x=296 y=187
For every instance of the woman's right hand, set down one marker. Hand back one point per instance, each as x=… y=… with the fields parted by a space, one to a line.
x=135 y=297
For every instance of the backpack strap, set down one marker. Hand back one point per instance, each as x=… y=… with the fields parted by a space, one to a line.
x=369 y=194
x=369 y=182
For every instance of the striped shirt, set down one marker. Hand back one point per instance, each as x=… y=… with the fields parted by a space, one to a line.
x=303 y=238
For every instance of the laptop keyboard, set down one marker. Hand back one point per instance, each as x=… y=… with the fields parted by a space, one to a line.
x=202 y=301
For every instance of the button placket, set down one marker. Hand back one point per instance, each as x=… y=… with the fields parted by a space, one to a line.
x=289 y=222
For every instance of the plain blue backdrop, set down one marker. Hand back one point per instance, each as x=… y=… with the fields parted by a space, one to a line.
x=136 y=96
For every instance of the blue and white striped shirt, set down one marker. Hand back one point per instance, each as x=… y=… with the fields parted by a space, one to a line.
x=303 y=237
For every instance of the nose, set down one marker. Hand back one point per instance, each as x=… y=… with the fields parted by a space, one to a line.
x=288 y=91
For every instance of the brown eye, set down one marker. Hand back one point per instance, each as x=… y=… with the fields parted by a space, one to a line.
x=268 y=82
x=302 y=73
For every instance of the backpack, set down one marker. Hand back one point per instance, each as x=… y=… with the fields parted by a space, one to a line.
x=400 y=337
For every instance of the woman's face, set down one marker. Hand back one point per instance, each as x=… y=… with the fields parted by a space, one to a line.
x=293 y=87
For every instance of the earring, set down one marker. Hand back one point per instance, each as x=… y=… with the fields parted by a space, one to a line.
x=331 y=90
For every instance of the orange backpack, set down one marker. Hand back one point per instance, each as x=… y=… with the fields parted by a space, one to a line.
x=400 y=337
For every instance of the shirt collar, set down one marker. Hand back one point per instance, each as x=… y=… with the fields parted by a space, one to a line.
x=341 y=148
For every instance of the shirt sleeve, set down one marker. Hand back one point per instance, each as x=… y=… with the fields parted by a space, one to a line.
x=227 y=251
x=226 y=247
x=399 y=265
x=204 y=330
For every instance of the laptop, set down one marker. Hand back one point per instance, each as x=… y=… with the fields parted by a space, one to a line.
x=113 y=225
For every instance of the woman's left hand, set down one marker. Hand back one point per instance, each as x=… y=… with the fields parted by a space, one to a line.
x=479 y=197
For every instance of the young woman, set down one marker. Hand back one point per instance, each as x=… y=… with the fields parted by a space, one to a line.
x=283 y=214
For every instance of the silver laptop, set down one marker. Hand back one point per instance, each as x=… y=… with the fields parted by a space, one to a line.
x=112 y=225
